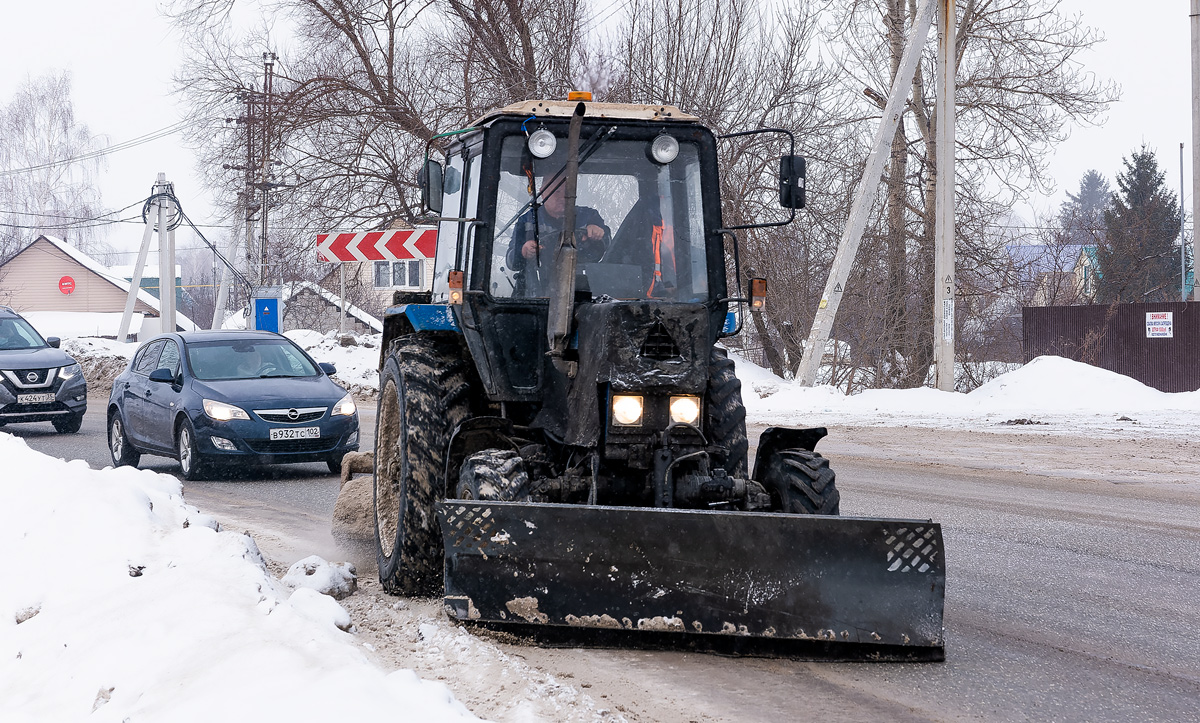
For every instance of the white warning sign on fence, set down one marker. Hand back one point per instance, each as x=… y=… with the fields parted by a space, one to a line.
x=1159 y=325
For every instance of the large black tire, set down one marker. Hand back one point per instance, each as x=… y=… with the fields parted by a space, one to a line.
x=424 y=393
x=119 y=449
x=69 y=424
x=494 y=475
x=726 y=415
x=802 y=483
x=192 y=466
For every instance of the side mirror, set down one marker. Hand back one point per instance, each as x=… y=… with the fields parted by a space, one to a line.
x=328 y=368
x=791 y=181
x=430 y=180
x=162 y=375
x=53 y=341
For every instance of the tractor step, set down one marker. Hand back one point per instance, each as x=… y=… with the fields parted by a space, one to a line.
x=830 y=587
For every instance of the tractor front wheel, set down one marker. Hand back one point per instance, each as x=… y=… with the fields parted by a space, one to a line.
x=801 y=482
x=424 y=395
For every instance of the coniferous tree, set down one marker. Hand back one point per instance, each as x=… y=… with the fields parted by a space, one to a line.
x=1137 y=258
x=1082 y=214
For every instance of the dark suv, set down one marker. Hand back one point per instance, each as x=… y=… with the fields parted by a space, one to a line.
x=38 y=381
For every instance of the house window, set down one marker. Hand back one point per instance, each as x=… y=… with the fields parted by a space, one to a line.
x=406 y=274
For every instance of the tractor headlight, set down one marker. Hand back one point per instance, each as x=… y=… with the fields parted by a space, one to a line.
x=542 y=143
x=345 y=407
x=685 y=410
x=627 y=410
x=664 y=148
x=223 y=412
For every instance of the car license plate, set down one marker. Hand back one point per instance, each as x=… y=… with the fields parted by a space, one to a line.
x=35 y=398
x=296 y=433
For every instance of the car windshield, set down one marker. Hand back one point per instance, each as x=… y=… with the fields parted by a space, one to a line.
x=18 y=334
x=249 y=359
x=639 y=224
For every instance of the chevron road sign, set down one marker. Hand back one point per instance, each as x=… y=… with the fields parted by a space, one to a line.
x=418 y=243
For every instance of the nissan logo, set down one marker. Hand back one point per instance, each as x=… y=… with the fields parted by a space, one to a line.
x=293 y=414
x=31 y=377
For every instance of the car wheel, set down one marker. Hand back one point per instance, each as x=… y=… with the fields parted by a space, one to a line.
x=68 y=425
x=190 y=462
x=335 y=462
x=122 y=452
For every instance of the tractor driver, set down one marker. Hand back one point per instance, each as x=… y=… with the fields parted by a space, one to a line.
x=527 y=256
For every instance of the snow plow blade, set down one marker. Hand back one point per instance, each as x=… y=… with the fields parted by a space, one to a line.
x=734 y=582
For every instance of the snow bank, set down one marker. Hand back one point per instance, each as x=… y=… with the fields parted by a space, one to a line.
x=357 y=364
x=120 y=601
x=1053 y=389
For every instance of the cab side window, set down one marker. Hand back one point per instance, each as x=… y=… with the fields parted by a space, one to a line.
x=147 y=361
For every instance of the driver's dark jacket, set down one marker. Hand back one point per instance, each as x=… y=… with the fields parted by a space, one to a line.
x=549 y=233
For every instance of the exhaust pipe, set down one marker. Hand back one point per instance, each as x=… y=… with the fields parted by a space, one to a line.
x=562 y=295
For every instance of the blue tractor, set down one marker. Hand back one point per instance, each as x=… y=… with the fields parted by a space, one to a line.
x=561 y=445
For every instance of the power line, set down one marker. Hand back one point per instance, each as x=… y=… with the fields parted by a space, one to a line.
x=152 y=136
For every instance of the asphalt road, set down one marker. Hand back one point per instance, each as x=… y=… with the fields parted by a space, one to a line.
x=1073 y=583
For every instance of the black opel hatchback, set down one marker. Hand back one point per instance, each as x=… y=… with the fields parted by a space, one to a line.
x=38 y=381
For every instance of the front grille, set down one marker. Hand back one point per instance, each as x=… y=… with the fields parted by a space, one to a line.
x=659 y=345
x=29 y=378
x=291 y=446
x=281 y=416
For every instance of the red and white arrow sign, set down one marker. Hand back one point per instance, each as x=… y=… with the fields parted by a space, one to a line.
x=417 y=243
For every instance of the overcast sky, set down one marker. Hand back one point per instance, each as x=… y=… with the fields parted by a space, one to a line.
x=122 y=53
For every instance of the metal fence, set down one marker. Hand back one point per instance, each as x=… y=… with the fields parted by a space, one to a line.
x=1157 y=344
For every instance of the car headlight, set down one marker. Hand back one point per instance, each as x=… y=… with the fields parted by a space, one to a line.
x=685 y=410
x=344 y=407
x=627 y=410
x=69 y=371
x=223 y=412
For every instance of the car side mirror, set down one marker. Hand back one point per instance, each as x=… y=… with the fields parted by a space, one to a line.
x=53 y=341
x=791 y=181
x=328 y=368
x=163 y=375
x=430 y=181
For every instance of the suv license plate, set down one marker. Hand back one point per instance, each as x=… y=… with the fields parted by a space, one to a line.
x=296 y=433
x=35 y=398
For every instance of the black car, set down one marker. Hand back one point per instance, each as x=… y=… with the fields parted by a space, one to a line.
x=38 y=381
x=214 y=398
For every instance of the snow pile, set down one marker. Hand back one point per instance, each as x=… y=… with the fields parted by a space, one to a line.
x=338 y=579
x=102 y=360
x=123 y=602
x=357 y=364
x=1053 y=389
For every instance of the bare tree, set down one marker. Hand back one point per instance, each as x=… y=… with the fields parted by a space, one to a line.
x=49 y=165
x=1020 y=85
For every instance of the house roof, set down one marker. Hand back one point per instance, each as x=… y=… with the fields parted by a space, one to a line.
x=292 y=288
x=105 y=273
x=1034 y=260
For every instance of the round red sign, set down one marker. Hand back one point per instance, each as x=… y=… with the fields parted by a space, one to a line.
x=66 y=284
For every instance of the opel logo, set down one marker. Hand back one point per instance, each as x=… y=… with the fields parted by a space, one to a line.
x=31 y=377
x=293 y=414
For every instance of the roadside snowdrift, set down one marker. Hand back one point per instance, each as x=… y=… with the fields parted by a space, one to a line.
x=120 y=601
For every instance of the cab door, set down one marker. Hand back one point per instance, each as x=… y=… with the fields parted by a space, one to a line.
x=161 y=400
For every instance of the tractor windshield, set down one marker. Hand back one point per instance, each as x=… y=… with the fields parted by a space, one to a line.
x=639 y=224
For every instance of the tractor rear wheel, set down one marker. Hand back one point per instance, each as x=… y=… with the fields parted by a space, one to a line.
x=424 y=395
x=493 y=474
x=801 y=482
x=726 y=415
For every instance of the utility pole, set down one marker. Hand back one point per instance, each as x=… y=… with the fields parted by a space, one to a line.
x=864 y=197
x=1182 y=248
x=1195 y=21
x=265 y=174
x=943 y=266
